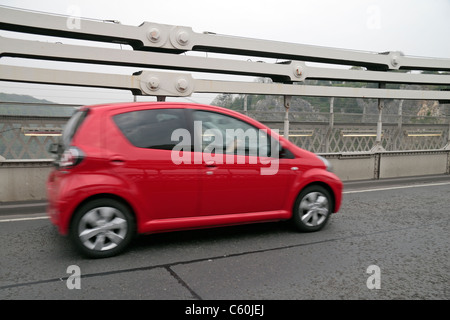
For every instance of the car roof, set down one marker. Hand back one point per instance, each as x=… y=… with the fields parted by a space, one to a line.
x=126 y=105
x=146 y=105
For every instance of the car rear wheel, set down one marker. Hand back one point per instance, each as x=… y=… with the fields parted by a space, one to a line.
x=102 y=228
x=312 y=208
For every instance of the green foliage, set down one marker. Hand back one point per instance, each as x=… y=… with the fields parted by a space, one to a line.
x=341 y=105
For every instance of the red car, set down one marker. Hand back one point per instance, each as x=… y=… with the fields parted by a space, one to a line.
x=137 y=168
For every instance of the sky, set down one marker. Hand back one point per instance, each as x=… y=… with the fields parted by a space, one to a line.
x=414 y=27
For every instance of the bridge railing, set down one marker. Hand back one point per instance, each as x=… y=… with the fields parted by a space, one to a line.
x=161 y=54
x=28 y=136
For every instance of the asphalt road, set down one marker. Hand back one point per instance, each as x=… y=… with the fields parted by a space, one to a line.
x=389 y=241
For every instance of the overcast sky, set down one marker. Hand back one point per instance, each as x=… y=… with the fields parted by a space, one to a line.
x=415 y=27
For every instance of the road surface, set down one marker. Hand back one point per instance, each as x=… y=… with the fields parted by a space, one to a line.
x=389 y=241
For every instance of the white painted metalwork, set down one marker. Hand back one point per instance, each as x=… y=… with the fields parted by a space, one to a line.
x=162 y=47
x=157 y=46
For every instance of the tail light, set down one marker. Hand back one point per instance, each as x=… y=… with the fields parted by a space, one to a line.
x=70 y=157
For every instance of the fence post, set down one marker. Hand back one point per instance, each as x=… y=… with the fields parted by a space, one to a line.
x=378 y=146
x=447 y=114
x=400 y=115
x=398 y=134
x=245 y=105
x=287 y=104
x=330 y=126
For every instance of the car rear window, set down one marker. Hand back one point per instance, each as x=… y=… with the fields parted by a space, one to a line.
x=151 y=128
x=72 y=126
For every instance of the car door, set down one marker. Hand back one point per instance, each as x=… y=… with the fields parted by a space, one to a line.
x=144 y=158
x=238 y=174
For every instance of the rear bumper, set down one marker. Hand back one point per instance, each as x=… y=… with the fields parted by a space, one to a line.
x=58 y=216
x=57 y=209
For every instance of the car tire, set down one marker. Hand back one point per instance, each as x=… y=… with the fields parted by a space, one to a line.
x=312 y=209
x=102 y=228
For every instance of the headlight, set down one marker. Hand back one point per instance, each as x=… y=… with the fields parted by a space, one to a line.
x=326 y=163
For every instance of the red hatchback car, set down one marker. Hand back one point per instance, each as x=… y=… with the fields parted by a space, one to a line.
x=136 y=168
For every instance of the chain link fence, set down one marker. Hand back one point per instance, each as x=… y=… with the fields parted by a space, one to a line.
x=28 y=135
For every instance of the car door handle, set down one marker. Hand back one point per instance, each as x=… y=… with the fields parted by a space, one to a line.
x=117 y=160
x=210 y=164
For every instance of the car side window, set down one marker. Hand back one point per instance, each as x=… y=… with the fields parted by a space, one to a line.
x=151 y=128
x=225 y=134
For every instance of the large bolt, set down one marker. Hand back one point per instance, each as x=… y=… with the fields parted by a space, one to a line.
x=298 y=71
x=154 y=35
x=182 y=85
x=183 y=38
x=153 y=83
x=394 y=61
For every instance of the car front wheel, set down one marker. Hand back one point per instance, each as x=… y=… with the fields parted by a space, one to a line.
x=102 y=228
x=312 y=208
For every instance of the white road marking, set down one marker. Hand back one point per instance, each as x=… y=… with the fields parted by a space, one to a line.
x=24 y=219
x=25 y=205
x=399 y=187
x=44 y=216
